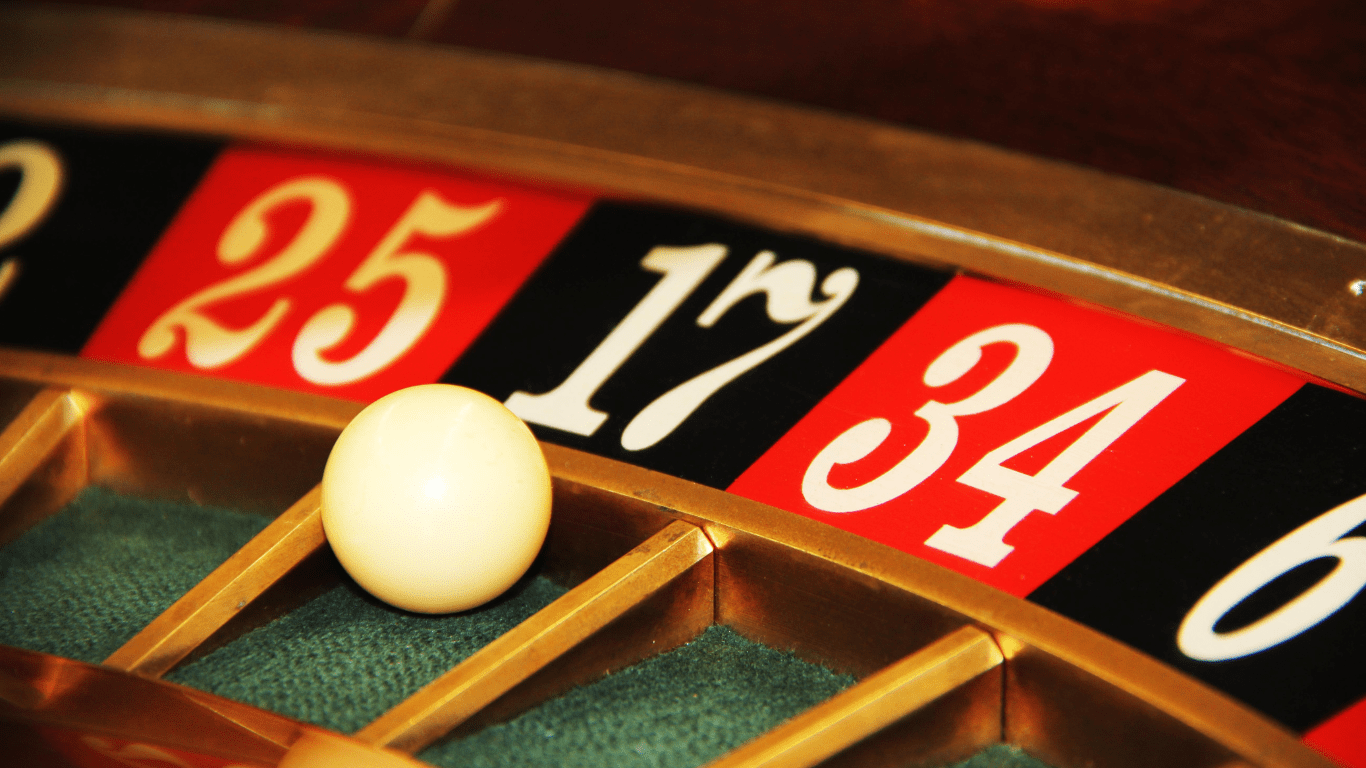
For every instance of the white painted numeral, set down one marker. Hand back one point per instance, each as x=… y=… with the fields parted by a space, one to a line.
x=1324 y=536
x=40 y=183
x=1044 y=492
x=424 y=279
x=787 y=289
x=566 y=406
x=1033 y=353
x=208 y=343
x=1022 y=494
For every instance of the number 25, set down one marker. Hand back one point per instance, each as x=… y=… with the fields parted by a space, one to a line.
x=209 y=344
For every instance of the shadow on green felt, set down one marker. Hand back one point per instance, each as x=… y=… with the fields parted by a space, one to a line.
x=677 y=710
x=680 y=709
x=1002 y=756
x=84 y=581
x=344 y=658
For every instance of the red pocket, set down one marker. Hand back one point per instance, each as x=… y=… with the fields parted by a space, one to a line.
x=1001 y=432
x=342 y=277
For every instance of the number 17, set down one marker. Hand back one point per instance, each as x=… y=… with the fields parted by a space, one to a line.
x=787 y=288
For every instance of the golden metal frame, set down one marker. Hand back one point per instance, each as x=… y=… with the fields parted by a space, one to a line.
x=1260 y=284
x=949 y=664
x=997 y=667
x=925 y=639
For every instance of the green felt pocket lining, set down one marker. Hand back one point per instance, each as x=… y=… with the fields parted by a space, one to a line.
x=344 y=658
x=679 y=709
x=84 y=581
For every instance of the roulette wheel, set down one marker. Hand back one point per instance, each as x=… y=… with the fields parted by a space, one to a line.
x=918 y=445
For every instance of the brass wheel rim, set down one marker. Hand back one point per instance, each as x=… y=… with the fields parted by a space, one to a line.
x=1147 y=251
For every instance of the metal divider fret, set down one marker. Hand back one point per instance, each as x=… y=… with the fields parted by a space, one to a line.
x=35 y=433
x=874 y=703
x=457 y=695
x=231 y=587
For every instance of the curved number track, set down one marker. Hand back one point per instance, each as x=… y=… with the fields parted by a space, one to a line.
x=945 y=666
x=646 y=562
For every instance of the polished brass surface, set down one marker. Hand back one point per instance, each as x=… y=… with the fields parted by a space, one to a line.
x=875 y=703
x=317 y=749
x=1181 y=709
x=47 y=434
x=261 y=405
x=293 y=536
x=1059 y=713
x=213 y=456
x=33 y=434
x=1266 y=286
x=1070 y=695
x=456 y=696
x=675 y=614
x=788 y=597
x=15 y=397
x=68 y=694
x=952 y=728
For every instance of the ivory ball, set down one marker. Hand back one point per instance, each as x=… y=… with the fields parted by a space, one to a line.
x=436 y=498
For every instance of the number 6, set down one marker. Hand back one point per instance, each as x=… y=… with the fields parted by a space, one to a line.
x=1320 y=537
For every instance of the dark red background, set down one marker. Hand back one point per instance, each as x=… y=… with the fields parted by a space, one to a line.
x=1259 y=103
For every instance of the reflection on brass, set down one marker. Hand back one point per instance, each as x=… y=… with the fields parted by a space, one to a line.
x=588 y=530
x=789 y=598
x=1269 y=287
x=32 y=436
x=31 y=440
x=457 y=695
x=1070 y=695
x=207 y=456
x=591 y=529
x=947 y=731
x=251 y=448
x=1178 y=709
x=82 y=697
x=167 y=389
x=320 y=749
x=876 y=702
x=263 y=561
x=1055 y=709
x=262 y=725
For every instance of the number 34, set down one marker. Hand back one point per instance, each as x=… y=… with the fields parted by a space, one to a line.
x=209 y=344
x=1021 y=494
